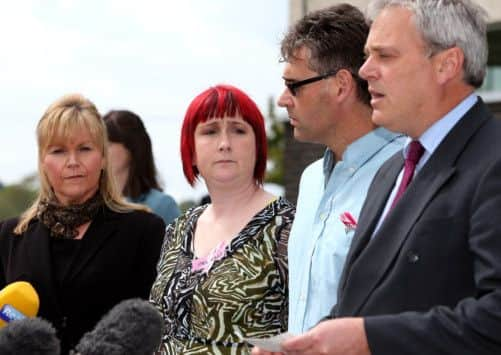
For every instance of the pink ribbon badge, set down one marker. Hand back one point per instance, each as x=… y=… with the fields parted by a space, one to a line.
x=350 y=223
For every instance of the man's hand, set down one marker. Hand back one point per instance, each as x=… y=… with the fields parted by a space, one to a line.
x=343 y=336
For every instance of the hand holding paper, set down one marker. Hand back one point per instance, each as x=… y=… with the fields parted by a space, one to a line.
x=342 y=336
x=270 y=344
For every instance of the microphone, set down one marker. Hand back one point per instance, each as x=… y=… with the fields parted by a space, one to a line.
x=29 y=336
x=18 y=300
x=132 y=327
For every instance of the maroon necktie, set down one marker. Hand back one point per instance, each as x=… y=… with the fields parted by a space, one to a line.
x=415 y=152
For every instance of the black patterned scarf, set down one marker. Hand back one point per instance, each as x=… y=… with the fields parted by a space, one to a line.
x=63 y=221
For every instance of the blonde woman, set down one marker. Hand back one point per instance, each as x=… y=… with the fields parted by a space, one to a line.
x=80 y=245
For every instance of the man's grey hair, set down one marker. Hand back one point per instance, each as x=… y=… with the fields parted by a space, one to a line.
x=445 y=24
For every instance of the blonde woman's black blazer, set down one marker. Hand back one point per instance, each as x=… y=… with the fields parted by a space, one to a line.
x=116 y=261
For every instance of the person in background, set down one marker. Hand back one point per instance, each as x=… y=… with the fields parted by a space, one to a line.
x=328 y=104
x=133 y=165
x=82 y=247
x=222 y=274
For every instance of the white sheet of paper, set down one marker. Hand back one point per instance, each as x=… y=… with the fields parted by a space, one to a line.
x=270 y=344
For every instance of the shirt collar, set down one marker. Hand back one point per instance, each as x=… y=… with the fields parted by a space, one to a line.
x=434 y=135
x=360 y=150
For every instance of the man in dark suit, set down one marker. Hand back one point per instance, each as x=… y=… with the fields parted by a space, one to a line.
x=423 y=275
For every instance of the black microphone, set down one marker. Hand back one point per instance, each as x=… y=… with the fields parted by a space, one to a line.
x=132 y=327
x=29 y=336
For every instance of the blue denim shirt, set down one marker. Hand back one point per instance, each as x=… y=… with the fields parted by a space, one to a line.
x=319 y=241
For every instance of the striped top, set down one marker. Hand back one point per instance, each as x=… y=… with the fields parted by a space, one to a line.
x=243 y=293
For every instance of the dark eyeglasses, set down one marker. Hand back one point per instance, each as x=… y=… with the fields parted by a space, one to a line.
x=293 y=86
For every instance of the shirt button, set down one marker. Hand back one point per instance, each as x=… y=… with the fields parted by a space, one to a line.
x=412 y=257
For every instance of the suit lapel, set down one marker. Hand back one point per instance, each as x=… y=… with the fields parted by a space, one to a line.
x=372 y=209
x=382 y=250
x=371 y=259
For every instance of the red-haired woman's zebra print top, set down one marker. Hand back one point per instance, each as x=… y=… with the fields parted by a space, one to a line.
x=242 y=294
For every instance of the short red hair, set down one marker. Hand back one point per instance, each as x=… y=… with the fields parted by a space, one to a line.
x=217 y=102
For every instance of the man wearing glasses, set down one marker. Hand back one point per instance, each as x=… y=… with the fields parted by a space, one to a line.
x=328 y=104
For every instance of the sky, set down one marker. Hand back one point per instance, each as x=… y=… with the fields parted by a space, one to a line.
x=150 y=56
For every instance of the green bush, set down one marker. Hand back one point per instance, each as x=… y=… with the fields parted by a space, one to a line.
x=14 y=199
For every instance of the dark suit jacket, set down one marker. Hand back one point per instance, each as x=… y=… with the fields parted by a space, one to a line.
x=429 y=281
x=116 y=261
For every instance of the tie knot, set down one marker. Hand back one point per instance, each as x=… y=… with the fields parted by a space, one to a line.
x=415 y=152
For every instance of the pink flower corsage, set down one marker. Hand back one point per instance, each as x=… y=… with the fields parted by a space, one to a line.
x=204 y=264
x=350 y=223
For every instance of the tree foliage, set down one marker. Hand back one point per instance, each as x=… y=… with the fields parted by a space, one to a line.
x=276 y=145
x=15 y=199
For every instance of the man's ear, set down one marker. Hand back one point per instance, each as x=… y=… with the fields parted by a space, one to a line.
x=345 y=83
x=449 y=64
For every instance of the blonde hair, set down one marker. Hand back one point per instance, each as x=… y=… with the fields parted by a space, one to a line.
x=64 y=117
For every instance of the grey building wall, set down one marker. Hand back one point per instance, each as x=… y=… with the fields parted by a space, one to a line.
x=297 y=157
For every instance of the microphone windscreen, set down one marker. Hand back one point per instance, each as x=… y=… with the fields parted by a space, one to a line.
x=17 y=301
x=132 y=327
x=29 y=336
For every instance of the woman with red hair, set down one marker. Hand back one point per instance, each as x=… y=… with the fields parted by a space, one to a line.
x=222 y=275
